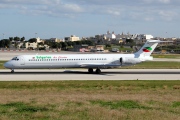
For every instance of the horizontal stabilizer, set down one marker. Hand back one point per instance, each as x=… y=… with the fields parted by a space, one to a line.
x=158 y=41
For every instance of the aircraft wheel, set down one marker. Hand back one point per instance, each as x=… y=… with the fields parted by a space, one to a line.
x=98 y=71
x=12 y=71
x=90 y=70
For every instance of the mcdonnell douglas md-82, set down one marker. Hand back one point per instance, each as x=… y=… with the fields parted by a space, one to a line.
x=89 y=61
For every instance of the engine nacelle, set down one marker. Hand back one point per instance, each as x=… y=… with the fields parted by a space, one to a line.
x=129 y=60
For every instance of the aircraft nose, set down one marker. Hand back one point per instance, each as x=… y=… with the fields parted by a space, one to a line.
x=7 y=65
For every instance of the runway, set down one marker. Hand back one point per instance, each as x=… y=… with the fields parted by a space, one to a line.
x=82 y=74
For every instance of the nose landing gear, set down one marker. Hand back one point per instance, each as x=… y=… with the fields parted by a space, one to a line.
x=12 y=70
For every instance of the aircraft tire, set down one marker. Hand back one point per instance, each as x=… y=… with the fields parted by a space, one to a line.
x=98 y=71
x=12 y=71
x=90 y=70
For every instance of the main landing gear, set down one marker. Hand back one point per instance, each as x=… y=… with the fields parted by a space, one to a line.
x=90 y=70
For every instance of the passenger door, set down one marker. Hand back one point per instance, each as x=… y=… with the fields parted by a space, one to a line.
x=22 y=61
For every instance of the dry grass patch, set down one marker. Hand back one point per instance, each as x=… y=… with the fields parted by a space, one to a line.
x=90 y=100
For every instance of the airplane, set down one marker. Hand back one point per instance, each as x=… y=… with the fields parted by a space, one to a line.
x=89 y=61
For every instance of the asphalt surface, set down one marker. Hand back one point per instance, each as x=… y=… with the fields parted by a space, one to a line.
x=82 y=74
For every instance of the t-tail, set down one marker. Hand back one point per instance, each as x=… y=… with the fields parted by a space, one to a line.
x=147 y=49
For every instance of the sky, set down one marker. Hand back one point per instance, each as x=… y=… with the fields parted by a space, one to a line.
x=86 y=18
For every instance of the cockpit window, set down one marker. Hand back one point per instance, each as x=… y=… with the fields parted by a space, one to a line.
x=15 y=58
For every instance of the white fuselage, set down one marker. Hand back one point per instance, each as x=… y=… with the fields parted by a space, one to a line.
x=72 y=61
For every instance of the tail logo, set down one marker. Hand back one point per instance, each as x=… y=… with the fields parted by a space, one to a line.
x=147 y=49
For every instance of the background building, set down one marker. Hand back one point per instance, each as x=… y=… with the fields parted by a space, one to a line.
x=71 y=38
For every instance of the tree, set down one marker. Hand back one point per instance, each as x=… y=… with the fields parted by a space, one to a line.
x=89 y=42
x=41 y=43
x=16 y=38
x=47 y=42
x=16 y=45
x=11 y=38
x=129 y=40
x=132 y=44
x=73 y=43
x=2 y=43
x=108 y=45
x=33 y=40
x=24 y=45
x=64 y=45
x=59 y=45
x=78 y=42
x=99 y=41
x=69 y=43
x=83 y=42
x=54 y=45
x=22 y=39
x=5 y=43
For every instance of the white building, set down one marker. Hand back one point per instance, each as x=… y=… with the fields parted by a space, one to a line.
x=123 y=36
x=56 y=40
x=109 y=35
x=144 y=37
x=72 y=38
x=38 y=40
x=31 y=46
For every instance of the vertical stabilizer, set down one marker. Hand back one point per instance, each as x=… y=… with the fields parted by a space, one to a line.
x=148 y=48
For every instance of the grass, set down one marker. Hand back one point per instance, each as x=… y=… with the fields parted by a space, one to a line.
x=1 y=64
x=128 y=104
x=20 y=107
x=155 y=65
x=173 y=56
x=90 y=100
x=176 y=104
